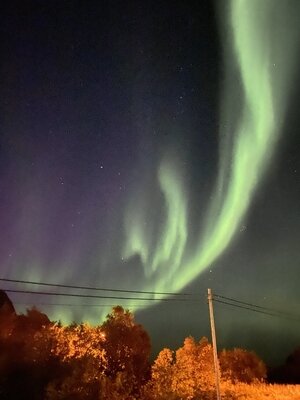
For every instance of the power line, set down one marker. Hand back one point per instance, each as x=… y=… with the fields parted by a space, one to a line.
x=37 y=304
x=78 y=305
x=251 y=305
x=90 y=296
x=216 y=297
x=91 y=287
x=243 y=307
x=258 y=311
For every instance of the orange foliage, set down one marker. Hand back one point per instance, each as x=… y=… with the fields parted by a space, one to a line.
x=79 y=341
x=194 y=371
x=187 y=375
x=239 y=365
x=127 y=346
x=162 y=375
x=259 y=391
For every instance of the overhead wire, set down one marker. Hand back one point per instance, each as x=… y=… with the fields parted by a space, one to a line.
x=268 y=309
x=77 y=305
x=218 y=298
x=257 y=309
x=93 y=296
x=58 y=285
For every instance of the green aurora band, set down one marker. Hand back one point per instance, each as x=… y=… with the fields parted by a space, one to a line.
x=261 y=47
x=172 y=240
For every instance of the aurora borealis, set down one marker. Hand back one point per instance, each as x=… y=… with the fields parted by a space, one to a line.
x=154 y=148
x=257 y=50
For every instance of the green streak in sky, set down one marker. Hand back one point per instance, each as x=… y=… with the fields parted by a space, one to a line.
x=172 y=243
x=256 y=129
x=135 y=243
x=261 y=37
x=170 y=238
x=259 y=46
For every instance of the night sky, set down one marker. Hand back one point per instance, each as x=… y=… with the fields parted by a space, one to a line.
x=153 y=146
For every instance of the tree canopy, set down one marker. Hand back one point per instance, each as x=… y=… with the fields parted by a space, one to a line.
x=44 y=360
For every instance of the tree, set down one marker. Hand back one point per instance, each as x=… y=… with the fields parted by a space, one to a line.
x=109 y=361
x=79 y=341
x=289 y=372
x=194 y=373
x=160 y=386
x=127 y=346
x=21 y=363
x=78 y=362
x=6 y=305
x=186 y=375
x=239 y=365
x=81 y=352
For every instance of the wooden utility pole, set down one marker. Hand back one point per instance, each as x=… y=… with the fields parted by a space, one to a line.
x=214 y=342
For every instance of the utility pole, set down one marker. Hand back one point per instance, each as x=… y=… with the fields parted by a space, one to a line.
x=214 y=342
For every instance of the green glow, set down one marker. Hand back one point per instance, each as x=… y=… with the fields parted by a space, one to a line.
x=256 y=129
x=169 y=243
x=136 y=239
x=259 y=50
x=254 y=101
x=172 y=243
